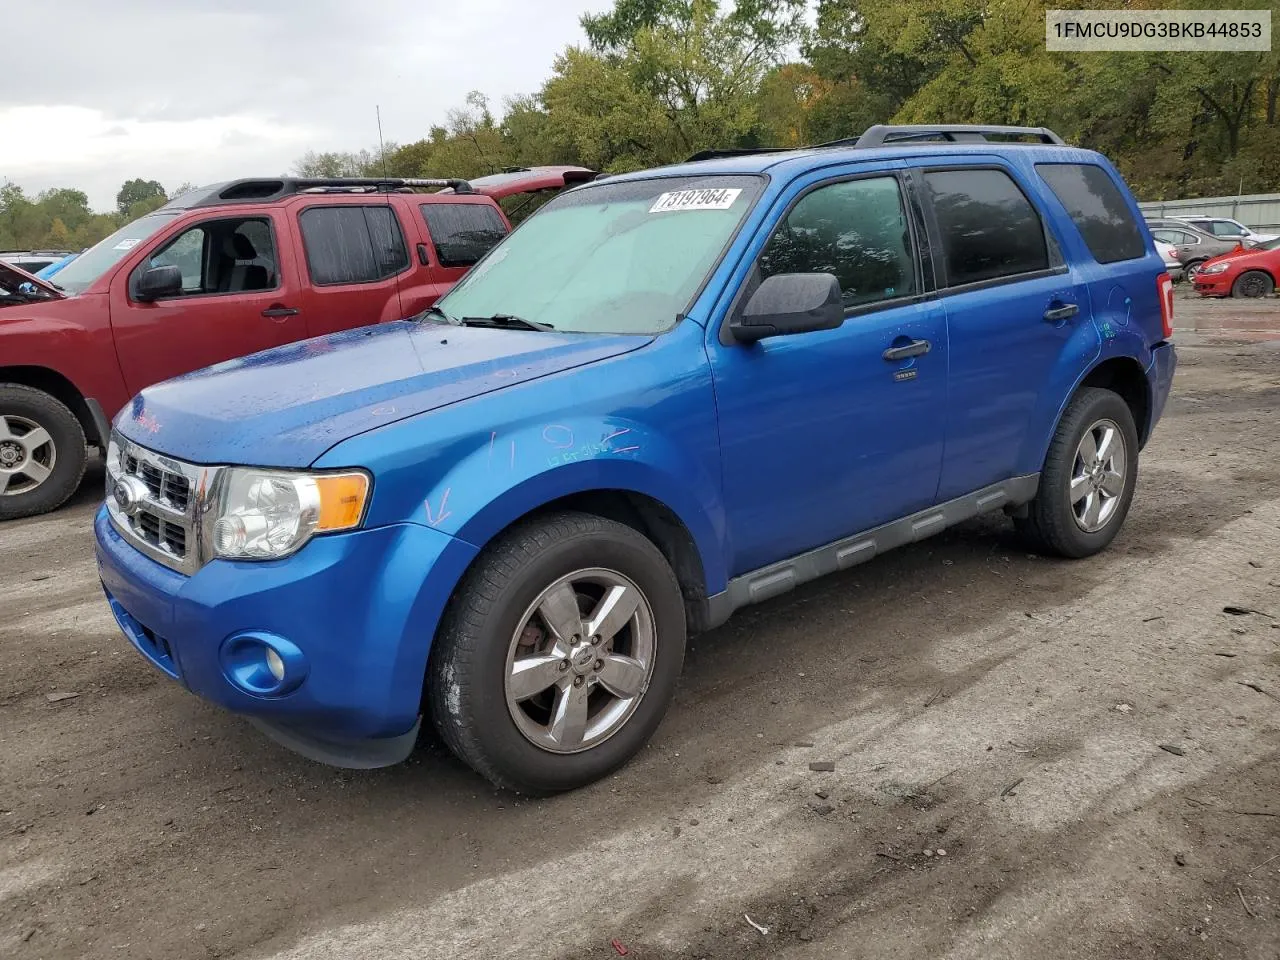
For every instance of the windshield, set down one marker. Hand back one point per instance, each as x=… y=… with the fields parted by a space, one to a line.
x=622 y=257
x=77 y=275
x=1269 y=245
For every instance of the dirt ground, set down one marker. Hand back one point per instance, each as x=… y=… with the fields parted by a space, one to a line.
x=1033 y=759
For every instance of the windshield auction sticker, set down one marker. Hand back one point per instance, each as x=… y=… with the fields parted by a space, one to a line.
x=711 y=198
x=1161 y=30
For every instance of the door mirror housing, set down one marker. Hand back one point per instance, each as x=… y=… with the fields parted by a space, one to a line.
x=156 y=282
x=788 y=303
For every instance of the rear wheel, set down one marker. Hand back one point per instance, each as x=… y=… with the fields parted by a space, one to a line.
x=1089 y=477
x=42 y=452
x=558 y=655
x=1253 y=283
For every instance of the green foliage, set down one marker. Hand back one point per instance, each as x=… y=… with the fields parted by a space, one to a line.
x=139 y=195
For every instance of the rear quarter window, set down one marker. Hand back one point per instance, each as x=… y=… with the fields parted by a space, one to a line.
x=1097 y=208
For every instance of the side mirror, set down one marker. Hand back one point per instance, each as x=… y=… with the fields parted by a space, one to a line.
x=156 y=282
x=788 y=303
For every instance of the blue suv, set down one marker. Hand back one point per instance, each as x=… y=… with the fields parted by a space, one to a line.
x=667 y=395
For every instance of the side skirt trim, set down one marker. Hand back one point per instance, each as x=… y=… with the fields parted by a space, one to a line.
x=785 y=575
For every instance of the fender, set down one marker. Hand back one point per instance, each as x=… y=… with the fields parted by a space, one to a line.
x=71 y=339
x=1125 y=344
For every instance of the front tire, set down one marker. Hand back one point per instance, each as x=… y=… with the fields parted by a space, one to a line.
x=558 y=654
x=1088 y=479
x=42 y=452
x=1253 y=284
x=1191 y=269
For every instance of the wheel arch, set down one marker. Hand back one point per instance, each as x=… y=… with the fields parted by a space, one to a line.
x=1126 y=377
x=62 y=389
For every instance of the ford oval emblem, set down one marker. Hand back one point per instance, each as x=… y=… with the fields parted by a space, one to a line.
x=129 y=493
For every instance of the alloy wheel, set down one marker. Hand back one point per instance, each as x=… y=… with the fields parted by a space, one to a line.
x=1098 y=476
x=27 y=455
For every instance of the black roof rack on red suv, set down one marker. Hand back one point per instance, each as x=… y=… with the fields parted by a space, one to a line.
x=884 y=134
x=268 y=190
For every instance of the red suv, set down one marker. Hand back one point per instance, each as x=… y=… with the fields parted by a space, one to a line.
x=218 y=273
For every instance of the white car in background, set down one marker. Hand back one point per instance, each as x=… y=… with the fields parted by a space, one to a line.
x=1169 y=254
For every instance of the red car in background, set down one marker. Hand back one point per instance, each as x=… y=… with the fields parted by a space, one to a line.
x=1241 y=273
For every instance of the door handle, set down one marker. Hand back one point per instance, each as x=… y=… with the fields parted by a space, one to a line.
x=916 y=348
x=1064 y=312
x=280 y=312
x=422 y=255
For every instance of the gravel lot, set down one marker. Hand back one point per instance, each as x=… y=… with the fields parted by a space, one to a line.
x=1032 y=759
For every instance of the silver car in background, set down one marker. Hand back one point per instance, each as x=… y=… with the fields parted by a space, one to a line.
x=1193 y=246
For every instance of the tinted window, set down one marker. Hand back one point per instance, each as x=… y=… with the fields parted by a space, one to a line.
x=352 y=244
x=462 y=232
x=856 y=230
x=989 y=228
x=1097 y=208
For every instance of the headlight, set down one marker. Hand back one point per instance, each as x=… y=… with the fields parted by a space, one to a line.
x=268 y=514
x=1215 y=268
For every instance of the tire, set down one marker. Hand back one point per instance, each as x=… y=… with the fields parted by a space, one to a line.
x=513 y=742
x=1053 y=524
x=1191 y=269
x=1253 y=284
x=40 y=478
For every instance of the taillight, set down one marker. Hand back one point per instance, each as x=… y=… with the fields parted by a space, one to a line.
x=1164 y=289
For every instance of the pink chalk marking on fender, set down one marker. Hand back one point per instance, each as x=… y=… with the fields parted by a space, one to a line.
x=437 y=518
x=626 y=449
x=546 y=435
x=150 y=424
x=616 y=434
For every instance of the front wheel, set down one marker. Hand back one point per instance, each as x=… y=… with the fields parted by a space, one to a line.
x=42 y=452
x=558 y=654
x=1191 y=269
x=1088 y=479
x=1252 y=284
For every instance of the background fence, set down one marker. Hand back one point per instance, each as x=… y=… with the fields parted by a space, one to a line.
x=1259 y=211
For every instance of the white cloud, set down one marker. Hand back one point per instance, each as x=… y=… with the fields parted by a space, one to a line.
x=189 y=90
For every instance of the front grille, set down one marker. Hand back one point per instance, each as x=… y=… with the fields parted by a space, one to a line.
x=165 y=486
x=158 y=514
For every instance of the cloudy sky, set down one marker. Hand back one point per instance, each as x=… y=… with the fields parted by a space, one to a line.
x=94 y=93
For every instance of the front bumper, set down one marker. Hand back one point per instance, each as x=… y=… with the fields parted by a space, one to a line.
x=1214 y=285
x=361 y=608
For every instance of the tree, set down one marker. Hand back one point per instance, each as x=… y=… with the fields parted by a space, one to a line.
x=138 y=191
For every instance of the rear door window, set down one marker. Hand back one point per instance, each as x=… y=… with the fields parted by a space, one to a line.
x=988 y=227
x=1097 y=208
x=462 y=232
x=352 y=244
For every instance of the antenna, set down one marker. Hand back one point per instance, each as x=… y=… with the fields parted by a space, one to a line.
x=382 y=148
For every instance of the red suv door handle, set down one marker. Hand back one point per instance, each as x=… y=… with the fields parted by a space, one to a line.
x=280 y=312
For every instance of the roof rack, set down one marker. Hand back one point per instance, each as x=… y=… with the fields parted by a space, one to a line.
x=883 y=134
x=264 y=190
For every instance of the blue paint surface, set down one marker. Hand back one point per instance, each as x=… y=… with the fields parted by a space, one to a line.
x=761 y=452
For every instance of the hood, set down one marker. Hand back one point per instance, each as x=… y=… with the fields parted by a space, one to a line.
x=12 y=277
x=287 y=406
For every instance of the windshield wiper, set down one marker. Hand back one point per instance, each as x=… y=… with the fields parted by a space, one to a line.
x=507 y=321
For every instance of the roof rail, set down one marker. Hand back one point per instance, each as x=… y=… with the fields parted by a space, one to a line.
x=883 y=134
x=737 y=152
x=267 y=190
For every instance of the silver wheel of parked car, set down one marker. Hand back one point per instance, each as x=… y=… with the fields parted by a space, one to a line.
x=1192 y=268
x=1098 y=477
x=27 y=455
x=580 y=660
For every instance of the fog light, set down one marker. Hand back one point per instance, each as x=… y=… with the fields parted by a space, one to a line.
x=263 y=664
x=275 y=664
